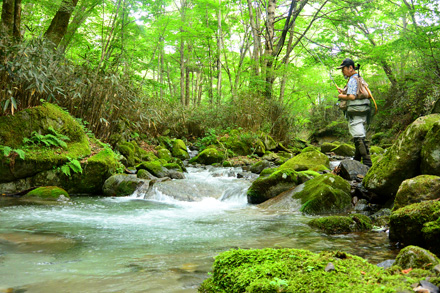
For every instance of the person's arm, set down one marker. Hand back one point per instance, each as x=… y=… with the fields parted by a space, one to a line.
x=351 y=91
x=346 y=97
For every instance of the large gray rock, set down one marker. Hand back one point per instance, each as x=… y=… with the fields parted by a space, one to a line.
x=401 y=161
x=417 y=189
x=121 y=185
x=350 y=169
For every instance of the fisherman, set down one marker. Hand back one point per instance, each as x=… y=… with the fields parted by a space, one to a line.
x=357 y=112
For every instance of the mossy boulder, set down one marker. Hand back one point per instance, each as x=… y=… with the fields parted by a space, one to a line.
x=208 y=157
x=407 y=223
x=96 y=170
x=342 y=224
x=417 y=189
x=144 y=174
x=327 y=147
x=258 y=167
x=269 y=143
x=310 y=148
x=237 y=145
x=164 y=154
x=260 y=149
x=345 y=150
x=431 y=234
x=401 y=161
x=431 y=151
x=13 y=129
x=148 y=156
x=267 y=187
x=47 y=193
x=121 y=185
x=324 y=194
x=179 y=149
x=416 y=258
x=127 y=149
x=376 y=150
x=313 y=160
x=156 y=168
x=294 y=270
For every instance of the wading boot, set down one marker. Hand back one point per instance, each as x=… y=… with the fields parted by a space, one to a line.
x=362 y=151
x=357 y=154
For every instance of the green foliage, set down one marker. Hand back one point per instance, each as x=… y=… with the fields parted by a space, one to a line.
x=73 y=165
x=7 y=151
x=53 y=138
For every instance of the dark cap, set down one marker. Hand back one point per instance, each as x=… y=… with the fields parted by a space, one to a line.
x=347 y=62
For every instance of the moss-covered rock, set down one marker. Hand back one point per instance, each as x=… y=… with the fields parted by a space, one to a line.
x=293 y=270
x=49 y=193
x=376 y=150
x=173 y=166
x=121 y=185
x=401 y=161
x=258 y=167
x=127 y=149
x=227 y=164
x=406 y=223
x=431 y=234
x=164 y=154
x=265 y=188
x=269 y=143
x=417 y=189
x=327 y=147
x=313 y=160
x=342 y=224
x=324 y=194
x=416 y=258
x=345 y=150
x=208 y=157
x=237 y=145
x=156 y=168
x=260 y=149
x=310 y=148
x=148 y=156
x=179 y=149
x=431 y=151
x=144 y=174
x=13 y=129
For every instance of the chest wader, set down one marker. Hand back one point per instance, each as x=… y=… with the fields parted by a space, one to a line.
x=362 y=151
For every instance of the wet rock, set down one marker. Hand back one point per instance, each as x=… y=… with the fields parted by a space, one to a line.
x=260 y=166
x=401 y=161
x=417 y=189
x=269 y=142
x=156 y=168
x=313 y=160
x=324 y=194
x=417 y=224
x=345 y=150
x=381 y=217
x=342 y=224
x=260 y=149
x=173 y=174
x=208 y=157
x=327 y=147
x=47 y=193
x=121 y=185
x=351 y=169
x=425 y=285
x=329 y=267
x=416 y=257
x=361 y=205
x=144 y=174
x=179 y=149
x=386 y=263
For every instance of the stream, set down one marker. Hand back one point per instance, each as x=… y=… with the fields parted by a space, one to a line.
x=162 y=241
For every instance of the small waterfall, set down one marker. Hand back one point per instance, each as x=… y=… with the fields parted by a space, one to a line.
x=201 y=185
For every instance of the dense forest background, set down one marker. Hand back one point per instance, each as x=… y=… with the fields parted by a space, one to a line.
x=191 y=67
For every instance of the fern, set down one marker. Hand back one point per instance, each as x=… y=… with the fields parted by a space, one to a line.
x=73 y=165
x=53 y=138
x=7 y=151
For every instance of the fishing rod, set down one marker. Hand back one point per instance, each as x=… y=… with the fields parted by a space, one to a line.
x=329 y=72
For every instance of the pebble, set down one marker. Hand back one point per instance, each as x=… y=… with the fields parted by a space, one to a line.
x=330 y=267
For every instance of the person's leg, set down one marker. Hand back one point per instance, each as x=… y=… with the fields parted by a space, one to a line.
x=357 y=130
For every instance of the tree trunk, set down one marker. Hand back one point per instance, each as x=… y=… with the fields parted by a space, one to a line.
x=219 y=53
x=58 y=25
x=254 y=22
x=182 y=54
x=17 y=20
x=8 y=16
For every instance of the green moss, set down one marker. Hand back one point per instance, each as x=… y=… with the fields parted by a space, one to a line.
x=327 y=147
x=341 y=224
x=164 y=154
x=227 y=164
x=431 y=151
x=417 y=189
x=179 y=149
x=148 y=156
x=313 y=160
x=265 y=188
x=268 y=171
x=309 y=149
x=143 y=174
x=208 y=157
x=416 y=258
x=47 y=193
x=294 y=270
x=173 y=166
x=376 y=150
x=324 y=194
x=406 y=223
x=345 y=150
x=401 y=161
x=260 y=149
x=154 y=168
x=431 y=234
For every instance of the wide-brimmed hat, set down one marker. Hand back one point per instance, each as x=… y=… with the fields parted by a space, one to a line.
x=347 y=62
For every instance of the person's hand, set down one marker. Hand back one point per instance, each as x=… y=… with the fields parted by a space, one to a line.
x=339 y=90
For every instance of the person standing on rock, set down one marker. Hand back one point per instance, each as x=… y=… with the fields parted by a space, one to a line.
x=357 y=112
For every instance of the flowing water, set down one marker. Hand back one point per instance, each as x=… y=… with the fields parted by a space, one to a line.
x=163 y=243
